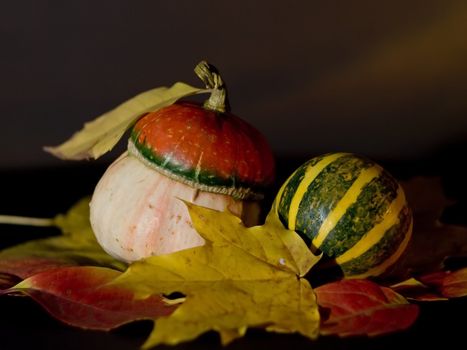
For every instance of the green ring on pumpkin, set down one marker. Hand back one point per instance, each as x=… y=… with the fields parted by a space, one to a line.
x=202 y=180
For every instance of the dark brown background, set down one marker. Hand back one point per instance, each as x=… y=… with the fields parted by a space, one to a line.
x=383 y=78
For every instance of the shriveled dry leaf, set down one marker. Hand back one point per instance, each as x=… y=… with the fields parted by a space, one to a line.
x=102 y=134
x=23 y=266
x=450 y=284
x=7 y=281
x=81 y=297
x=426 y=196
x=242 y=277
x=441 y=285
x=413 y=289
x=432 y=241
x=361 y=307
x=76 y=246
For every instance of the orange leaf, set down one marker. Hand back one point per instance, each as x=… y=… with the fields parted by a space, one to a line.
x=455 y=284
x=29 y=266
x=432 y=240
x=449 y=284
x=361 y=307
x=413 y=289
x=80 y=296
x=435 y=286
x=7 y=281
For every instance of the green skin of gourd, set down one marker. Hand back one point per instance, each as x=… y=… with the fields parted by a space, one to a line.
x=371 y=207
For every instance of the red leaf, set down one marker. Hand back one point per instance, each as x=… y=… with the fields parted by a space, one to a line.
x=361 y=307
x=82 y=297
x=449 y=284
x=29 y=266
x=432 y=240
x=416 y=290
x=7 y=281
x=455 y=284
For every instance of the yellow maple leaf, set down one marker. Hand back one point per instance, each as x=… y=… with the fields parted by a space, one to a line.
x=242 y=277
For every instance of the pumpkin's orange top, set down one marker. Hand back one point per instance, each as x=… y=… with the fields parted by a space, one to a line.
x=212 y=151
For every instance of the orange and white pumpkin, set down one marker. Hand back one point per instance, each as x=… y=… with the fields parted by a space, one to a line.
x=184 y=152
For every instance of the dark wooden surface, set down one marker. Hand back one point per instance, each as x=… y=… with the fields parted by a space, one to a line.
x=48 y=191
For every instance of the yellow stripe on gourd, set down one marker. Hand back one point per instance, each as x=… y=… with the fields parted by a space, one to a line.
x=378 y=270
x=373 y=236
x=310 y=174
x=346 y=201
x=278 y=199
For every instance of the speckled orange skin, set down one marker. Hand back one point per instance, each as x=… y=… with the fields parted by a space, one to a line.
x=191 y=140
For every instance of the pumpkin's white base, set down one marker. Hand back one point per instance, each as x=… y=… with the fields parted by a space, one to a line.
x=137 y=212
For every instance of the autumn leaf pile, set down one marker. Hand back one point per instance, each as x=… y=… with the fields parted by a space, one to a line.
x=260 y=277
x=241 y=278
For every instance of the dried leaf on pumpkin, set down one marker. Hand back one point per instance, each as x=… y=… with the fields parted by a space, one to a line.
x=102 y=134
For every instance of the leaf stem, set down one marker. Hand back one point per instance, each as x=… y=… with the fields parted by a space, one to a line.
x=26 y=221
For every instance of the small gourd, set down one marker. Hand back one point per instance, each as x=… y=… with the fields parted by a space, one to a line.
x=350 y=209
x=202 y=154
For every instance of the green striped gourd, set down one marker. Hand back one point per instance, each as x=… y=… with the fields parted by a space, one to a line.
x=351 y=209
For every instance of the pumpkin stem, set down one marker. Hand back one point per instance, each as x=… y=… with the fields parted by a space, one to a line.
x=209 y=74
